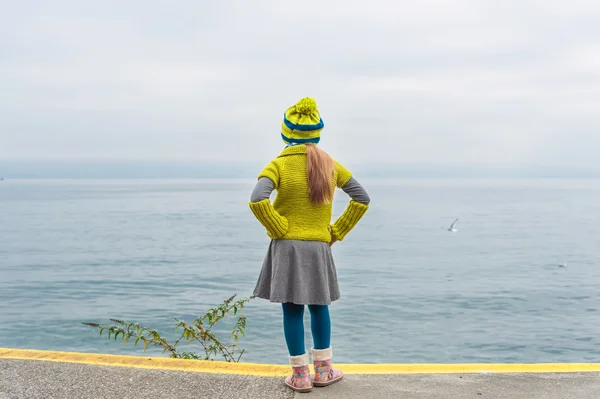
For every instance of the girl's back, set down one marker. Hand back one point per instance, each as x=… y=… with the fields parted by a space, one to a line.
x=289 y=172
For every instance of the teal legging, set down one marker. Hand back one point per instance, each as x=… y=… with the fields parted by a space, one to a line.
x=293 y=327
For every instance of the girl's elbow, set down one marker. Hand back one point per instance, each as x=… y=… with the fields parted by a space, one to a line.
x=256 y=197
x=363 y=198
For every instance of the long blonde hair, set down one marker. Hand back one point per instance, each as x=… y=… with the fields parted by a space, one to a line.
x=319 y=169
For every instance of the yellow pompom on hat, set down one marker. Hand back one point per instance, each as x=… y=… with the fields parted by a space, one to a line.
x=302 y=123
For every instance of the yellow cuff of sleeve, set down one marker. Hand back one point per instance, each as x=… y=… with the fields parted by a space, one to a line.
x=353 y=213
x=275 y=224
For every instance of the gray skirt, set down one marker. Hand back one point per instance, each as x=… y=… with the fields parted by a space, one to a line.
x=300 y=272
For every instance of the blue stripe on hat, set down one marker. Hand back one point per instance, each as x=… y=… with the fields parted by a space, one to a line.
x=303 y=128
x=300 y=141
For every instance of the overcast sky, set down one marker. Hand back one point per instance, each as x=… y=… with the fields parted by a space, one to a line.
x=507 y=82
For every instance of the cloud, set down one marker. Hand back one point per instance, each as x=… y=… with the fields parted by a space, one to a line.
x=419 y=81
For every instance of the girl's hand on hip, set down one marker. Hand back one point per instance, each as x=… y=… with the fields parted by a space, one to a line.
x=333 y=239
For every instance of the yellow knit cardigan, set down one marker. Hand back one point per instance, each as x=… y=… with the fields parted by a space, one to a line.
x=292 y=215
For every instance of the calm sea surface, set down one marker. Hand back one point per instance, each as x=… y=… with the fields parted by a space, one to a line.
x=412 y=292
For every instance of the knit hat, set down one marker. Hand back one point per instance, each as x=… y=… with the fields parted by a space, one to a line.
x=302 y=123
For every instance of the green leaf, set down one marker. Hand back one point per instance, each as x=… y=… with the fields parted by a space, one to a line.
x=212 y=345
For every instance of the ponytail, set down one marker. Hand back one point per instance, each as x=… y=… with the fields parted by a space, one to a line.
x=319 y=168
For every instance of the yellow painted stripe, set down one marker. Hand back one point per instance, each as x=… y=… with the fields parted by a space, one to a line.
x=270 y=370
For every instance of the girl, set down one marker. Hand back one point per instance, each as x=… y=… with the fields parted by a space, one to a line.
x=298 y=269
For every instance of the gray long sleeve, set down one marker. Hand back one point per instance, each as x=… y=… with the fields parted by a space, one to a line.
x=263 y=189
x=354 y=189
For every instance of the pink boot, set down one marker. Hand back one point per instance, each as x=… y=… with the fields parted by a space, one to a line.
x=299 y=381
x=325 y=374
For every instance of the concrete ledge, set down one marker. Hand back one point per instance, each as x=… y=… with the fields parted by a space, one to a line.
x=269 y=370
x=39 y=379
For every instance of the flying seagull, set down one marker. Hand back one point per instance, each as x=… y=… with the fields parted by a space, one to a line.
x=452 y=228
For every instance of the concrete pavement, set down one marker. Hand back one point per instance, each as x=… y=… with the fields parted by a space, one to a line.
x=32 y=379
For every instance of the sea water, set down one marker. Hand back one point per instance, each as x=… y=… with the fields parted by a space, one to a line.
x=518 y=282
